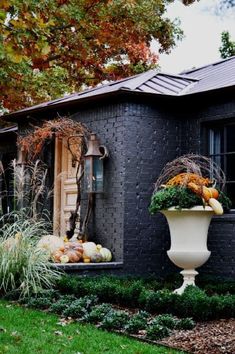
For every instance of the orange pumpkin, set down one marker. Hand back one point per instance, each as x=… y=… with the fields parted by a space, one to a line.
x=78 y=248
x=208 y=193
x=214 y=193
x=56 y=256
x=74 y=256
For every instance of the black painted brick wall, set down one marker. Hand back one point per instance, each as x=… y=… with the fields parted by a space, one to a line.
x=152 y=138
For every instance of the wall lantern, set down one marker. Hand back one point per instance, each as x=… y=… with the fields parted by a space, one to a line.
x=94 y=168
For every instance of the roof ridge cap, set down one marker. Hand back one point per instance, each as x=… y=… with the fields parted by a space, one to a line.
x=207 y=65
x=140 y=79
x=188 y=88
x=179 y=76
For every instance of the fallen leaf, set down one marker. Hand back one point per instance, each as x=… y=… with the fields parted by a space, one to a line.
x=64 y=321
x=58 y=333
x=61 y=324
x=123 y=346
x=15 y=333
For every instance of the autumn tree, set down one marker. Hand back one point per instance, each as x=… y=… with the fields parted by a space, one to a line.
x=227 y=48
x=48 y=48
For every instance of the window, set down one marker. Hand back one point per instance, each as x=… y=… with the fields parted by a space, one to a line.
x=222 y=151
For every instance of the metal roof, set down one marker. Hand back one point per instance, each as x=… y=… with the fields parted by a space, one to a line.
x=213 y=76
x=206 y=78
x=149 y=82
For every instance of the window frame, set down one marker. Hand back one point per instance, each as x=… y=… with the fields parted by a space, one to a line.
x=209 y=127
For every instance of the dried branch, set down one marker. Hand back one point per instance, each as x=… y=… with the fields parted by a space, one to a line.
x=63 y=128
x=195 y=164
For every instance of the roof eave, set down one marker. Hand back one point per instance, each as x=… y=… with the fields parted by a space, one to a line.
x=15 y=116
x=209 y=91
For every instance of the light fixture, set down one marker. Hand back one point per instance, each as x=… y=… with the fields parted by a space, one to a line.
x=94 y=169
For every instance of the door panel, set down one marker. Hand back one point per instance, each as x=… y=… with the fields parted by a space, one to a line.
x=65 y=193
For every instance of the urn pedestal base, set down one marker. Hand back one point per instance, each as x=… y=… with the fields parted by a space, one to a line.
x=189 y=279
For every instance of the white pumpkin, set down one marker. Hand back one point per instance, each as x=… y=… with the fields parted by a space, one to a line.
x=106 y=254
x=50 y=243
x=89 y=249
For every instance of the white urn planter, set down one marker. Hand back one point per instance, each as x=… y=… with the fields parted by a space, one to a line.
x=188 y=231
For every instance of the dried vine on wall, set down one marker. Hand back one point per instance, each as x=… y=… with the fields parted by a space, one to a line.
x=63 y=128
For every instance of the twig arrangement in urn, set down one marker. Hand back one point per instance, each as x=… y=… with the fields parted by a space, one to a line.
x=188 y=181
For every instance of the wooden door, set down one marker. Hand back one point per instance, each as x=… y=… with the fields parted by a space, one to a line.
x=65 y=187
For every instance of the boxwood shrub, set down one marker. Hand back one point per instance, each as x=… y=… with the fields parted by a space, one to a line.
x=194 y=302
x=137 y=322
x=61 y=304
x=115 y=320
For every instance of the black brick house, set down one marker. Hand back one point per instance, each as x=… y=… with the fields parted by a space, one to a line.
x=146 y=121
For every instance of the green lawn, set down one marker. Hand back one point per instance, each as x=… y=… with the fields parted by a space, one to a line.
x=28 y=331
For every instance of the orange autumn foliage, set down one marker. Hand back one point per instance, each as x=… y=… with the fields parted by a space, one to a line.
x=186 y=178
x=54 y=47
x=63 y=128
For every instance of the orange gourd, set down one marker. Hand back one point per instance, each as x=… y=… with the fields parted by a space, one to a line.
x=216 y=206
x=214 y=193
x=208 y=193
x=56 y=256
x=74 y=256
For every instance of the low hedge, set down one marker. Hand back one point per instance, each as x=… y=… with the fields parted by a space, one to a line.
x=194 y=302
x=108 y=289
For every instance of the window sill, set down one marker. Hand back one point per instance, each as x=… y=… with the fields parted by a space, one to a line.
x=87 y=266
x=229 y=217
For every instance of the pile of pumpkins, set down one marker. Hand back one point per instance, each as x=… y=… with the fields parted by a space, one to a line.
x=65 y=251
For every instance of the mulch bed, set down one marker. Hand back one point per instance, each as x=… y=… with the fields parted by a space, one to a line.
x=211 y=337
x=214 y=337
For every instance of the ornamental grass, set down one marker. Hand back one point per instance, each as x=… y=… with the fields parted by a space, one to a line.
x=24 y=269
